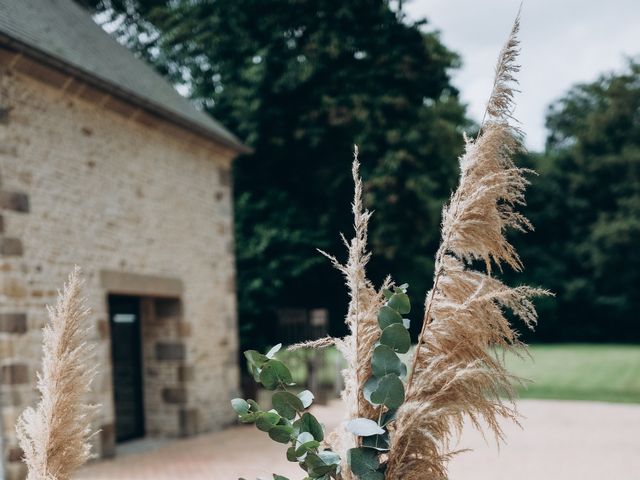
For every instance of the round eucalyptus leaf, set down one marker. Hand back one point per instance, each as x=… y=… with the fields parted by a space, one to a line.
x=306 y=397
x=273 y=374
x=286 y=404
x=309 y=423
x=384 y=361
x=303 y=448
x=377 y=442
x=281 y=433
x=388 y=316
x=240 y=405
x=388 y=417
x=267 y=420
x=317 y=466
x=387 y=293
x=329 y=457
x=291 y=454
x=400 y=303
x=370 y=387
x=362 y=460
x=304 y=437
x=248 y=417
x=363 y=427
x=396 y=337
x=255 y=358
x=390 y=392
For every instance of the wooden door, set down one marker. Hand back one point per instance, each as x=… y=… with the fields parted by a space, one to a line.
x=126 y=354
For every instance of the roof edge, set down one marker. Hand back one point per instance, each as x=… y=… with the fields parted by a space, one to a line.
x=124 y=94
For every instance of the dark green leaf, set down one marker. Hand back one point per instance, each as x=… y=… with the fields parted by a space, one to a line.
x=274 y=373
x=377 y=442
x=317 y=466
x=309 y=423
x=279 y=477
x=390 y=392
x=304 y=444
x=255 y=358
x=287 y=404
x=400 y=303
x=306 y=447
x=267 y=420
x=388 y=417
x=249 y=417
x=281 y=433
x=388 y=316
x=291 y=454
x=384 y=361
x=397 y=337
x=362 y=460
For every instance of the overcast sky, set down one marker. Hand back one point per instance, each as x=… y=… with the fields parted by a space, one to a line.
x=563 y=42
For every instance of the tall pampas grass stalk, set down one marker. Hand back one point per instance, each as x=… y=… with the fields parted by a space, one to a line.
x=361 y=319
x=55 y=435
x=456 y=370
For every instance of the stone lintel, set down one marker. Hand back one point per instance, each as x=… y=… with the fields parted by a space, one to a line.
x=143 y=285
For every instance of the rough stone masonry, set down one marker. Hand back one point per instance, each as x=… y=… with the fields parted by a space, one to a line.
x=144 y=206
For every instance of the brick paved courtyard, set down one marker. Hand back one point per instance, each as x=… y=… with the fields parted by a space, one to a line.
x=560 y=441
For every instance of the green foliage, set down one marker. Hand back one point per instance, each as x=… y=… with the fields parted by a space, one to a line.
x=385 y=361
x=288 y=422
x=384 y=389
x=291 y=424
x=585 y=205
x=396 y=337
x=301 y=82
x=364 y=463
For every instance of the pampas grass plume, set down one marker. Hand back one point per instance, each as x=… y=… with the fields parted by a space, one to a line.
x=55 y=434
x=455 y=374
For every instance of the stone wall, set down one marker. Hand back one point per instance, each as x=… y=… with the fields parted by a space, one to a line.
x=115 y=190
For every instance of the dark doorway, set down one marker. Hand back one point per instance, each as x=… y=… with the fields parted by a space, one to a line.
x=126 y=355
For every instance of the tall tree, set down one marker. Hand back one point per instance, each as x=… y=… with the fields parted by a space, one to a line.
x=586 y=207
x=301 y=81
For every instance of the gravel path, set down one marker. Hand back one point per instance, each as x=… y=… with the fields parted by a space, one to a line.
x=560 y=440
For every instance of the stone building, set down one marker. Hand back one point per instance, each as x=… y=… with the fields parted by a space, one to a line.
x=104 y=165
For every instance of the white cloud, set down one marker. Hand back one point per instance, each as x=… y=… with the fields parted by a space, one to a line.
x=563 y=42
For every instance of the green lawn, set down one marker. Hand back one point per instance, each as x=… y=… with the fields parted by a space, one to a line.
x=609 y=373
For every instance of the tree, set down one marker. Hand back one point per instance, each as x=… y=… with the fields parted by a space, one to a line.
x=586 y=206
x=301 y=82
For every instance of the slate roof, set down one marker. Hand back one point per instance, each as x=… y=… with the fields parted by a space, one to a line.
x=64 y=34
